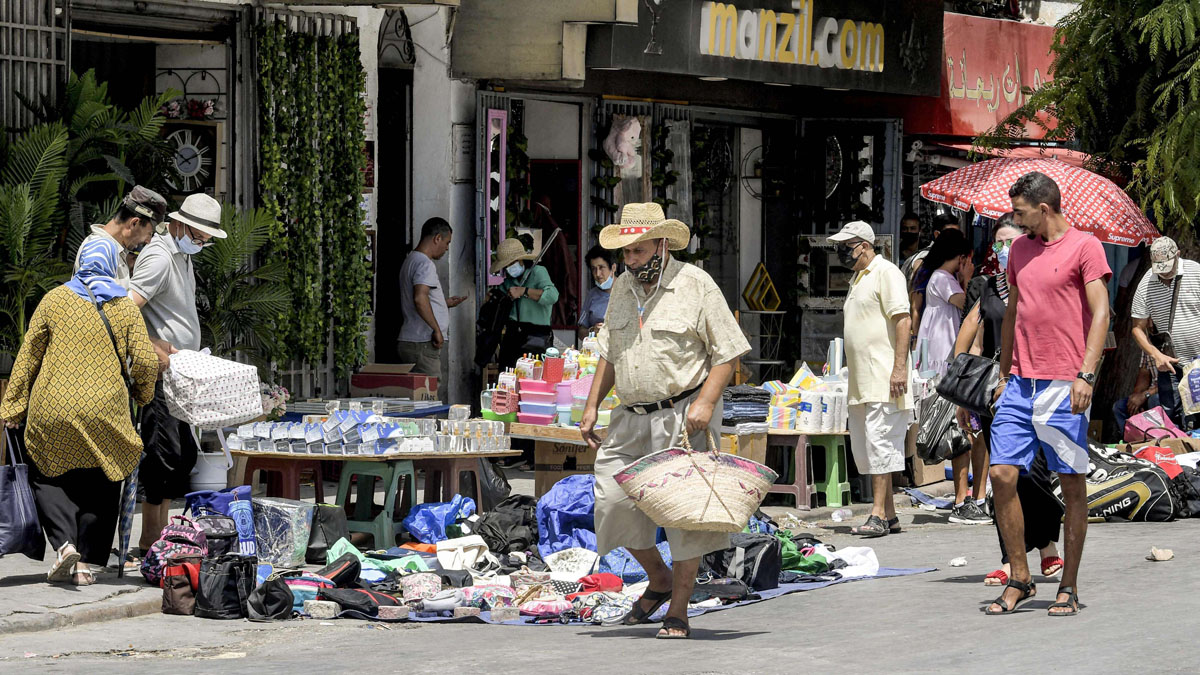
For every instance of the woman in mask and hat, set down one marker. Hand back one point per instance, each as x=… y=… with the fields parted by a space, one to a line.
x=533 y=295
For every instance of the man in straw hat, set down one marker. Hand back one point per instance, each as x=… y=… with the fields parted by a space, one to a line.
x=668 y=344
x=164 y=286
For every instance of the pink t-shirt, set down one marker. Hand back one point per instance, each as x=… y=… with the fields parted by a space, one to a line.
x=1053 y=316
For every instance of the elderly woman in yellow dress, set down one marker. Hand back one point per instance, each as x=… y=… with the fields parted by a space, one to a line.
x=68 y=387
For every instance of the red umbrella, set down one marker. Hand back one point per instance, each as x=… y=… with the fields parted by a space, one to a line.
x=1090 y=201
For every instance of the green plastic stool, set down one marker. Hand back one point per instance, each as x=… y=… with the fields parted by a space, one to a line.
x=836 y=486
x=382 y=527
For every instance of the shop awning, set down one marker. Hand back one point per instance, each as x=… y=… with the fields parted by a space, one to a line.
x=1065 y=155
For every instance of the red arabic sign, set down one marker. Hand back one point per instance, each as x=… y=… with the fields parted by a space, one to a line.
x=987 y=65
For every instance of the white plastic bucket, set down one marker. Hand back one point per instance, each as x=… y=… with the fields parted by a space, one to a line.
x=211 y=471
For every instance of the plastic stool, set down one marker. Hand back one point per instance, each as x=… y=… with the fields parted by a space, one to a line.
x=836 y=485
x=383 y=526
x=442 y=475
x=799 y=467
x=283 y=475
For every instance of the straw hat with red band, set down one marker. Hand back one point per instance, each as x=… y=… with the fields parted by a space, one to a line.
x=645 y=222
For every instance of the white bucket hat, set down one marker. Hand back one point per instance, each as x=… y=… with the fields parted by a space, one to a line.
x=202 y=213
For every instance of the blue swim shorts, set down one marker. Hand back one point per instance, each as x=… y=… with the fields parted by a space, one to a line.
x=1037 y=413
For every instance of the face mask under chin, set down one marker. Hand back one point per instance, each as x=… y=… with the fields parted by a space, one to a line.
x=648 y=273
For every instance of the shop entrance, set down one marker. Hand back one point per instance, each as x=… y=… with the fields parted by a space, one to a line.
x=394 y=228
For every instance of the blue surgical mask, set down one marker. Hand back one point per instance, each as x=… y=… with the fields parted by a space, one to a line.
x=514 y=270
x=1002 y=257
x=186 y=245
x=606 y=284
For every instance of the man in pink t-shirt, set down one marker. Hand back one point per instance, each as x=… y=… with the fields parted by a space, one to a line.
x=1053 y=334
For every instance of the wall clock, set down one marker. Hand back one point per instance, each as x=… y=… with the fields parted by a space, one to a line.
x=195 y=146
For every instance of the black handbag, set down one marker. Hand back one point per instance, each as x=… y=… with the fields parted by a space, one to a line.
x=1162 y=339
x=225 y=586
x=329 y=524
x=969 y=382
x=938 y=435
x=20 y=531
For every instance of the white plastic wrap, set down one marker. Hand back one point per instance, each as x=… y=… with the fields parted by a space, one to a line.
x=281 y=530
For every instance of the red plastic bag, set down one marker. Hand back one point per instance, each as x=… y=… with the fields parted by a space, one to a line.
x=1164 y=458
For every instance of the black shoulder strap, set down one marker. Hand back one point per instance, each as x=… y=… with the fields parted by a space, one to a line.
x=1174 y=301
x=112 y=337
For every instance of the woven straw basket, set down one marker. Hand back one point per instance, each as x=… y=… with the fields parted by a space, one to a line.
x=709 y=490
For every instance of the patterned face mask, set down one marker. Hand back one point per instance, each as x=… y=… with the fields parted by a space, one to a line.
x=648 y=273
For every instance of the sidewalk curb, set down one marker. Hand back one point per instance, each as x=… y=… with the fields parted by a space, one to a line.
x=124 y=606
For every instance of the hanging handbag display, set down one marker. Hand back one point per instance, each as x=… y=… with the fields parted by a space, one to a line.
x=969 y=382
x=20 y=531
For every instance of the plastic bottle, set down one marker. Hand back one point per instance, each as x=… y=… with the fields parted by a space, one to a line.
x=841 y=514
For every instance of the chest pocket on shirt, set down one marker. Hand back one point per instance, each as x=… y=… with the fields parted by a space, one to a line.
x=672 y=339
x=622 y=331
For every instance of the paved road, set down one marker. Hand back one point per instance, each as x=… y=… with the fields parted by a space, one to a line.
x=1138 y=616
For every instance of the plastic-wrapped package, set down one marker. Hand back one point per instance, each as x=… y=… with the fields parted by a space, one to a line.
x=281 y=529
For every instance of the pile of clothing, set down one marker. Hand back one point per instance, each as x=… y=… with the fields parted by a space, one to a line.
x=748 y=406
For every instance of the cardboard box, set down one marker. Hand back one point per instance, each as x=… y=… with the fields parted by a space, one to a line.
x=925 y=474
x=387 y=368
x=555 y=461
x=399 y=385
x=751 y=446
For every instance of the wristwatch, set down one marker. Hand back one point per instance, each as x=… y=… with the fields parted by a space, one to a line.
x=1090 y=378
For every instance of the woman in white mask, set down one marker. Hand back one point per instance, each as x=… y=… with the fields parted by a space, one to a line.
x=591 y=315
x=533 y=295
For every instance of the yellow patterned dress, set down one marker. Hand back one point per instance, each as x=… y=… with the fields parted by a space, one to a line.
x=66 y=385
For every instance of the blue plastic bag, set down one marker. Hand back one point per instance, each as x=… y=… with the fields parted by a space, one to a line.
x=566 y=515
x=427 y=522
x=233 y=502
x=619 y=562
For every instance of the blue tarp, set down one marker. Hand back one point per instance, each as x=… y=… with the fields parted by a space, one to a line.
x=427 y=522
x=566 y=515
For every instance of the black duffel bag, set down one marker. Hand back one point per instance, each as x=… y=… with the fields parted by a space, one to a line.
x=225 y=586
x=754 y=559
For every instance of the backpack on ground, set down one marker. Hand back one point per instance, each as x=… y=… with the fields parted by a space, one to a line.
x=755 y=559
x=181 y=536
x=220 y=533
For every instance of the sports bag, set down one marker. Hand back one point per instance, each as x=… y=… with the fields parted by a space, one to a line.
x=220 y=532
x=181 y=536
x=329 y=524
x=754 y=559
x=358 y=599
x=342 y=572
x=1122 y=486
x=225 y=586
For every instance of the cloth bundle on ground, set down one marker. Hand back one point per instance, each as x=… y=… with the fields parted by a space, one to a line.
x=572 y=564
x=305 y=586
x=428 y=522
x=374 y=569
x=1124 y=487
x=511 y=526
x=745 y=405
x=566 y=515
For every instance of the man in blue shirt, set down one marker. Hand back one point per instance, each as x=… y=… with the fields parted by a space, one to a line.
x=600 y=262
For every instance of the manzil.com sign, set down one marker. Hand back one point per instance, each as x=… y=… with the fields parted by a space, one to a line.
x=799 y=37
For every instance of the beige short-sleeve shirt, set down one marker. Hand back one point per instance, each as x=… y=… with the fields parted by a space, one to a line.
x=686 y=328
x=877 y=294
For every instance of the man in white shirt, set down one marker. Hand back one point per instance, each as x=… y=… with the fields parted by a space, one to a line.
x=879 y=402
x=1172 y=281
x=131 y=228
x=423 y=305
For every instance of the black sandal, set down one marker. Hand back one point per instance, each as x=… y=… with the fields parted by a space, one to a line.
x=637 y=615
x=1072 y=602
x=671 y=623
x=1028 y=590
x=874 y=527
x=894 y=525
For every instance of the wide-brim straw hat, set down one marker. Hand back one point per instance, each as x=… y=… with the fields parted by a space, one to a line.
x=645 y=222
x=508 y=252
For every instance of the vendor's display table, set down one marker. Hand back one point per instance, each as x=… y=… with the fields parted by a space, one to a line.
x=432 y=411
x=803 y=486
x=558 y=452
